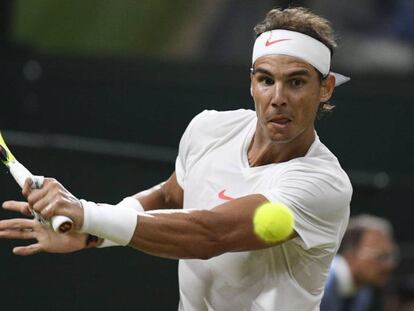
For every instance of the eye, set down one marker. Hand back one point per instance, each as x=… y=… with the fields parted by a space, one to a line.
x=266 y=80
x=296 y=83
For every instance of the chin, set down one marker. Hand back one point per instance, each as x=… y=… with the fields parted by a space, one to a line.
x=282 y=140
x=279 y=138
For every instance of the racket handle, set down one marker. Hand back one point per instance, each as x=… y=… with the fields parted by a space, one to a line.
x=59 y=223
x=20 y=174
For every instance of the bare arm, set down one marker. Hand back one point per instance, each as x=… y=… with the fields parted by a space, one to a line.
x=193 y=233
x=167 y=195
x=167 y=231
x=200 y=233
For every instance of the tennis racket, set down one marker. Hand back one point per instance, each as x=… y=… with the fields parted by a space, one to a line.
x=20 y=173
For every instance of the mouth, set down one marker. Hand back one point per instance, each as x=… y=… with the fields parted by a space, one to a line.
x=281 y=121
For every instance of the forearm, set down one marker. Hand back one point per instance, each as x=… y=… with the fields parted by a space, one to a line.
x=175 y=235
x=168 y=233
x=199 y=234
x=181 y=234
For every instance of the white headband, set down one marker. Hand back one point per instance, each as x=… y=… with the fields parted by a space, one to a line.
x=296 y=44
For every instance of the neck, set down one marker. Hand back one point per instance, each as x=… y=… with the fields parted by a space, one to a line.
x=263 y=150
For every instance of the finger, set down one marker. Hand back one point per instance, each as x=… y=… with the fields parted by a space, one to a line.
x=17 y=206
x=17 y=224
x=27 y=250
x=48 y=180
x=46 y=205
x=50 y=185
x=27 y=187
x=24 y=234
x=38 y=181
x=36 y=195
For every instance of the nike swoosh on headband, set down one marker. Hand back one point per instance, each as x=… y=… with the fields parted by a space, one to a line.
x=268 y=43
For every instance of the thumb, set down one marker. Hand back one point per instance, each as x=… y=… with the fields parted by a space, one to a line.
x=16 y=206
x=27 y=250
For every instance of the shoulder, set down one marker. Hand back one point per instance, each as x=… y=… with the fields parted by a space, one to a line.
x=213 y=122
x=210 y=129
x=318 y=184
x=321 y=166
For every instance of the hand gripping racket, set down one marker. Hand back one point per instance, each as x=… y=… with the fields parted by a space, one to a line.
x=20 y=173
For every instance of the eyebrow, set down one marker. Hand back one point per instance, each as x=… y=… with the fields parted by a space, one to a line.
x=299 y=72
x=261 y=70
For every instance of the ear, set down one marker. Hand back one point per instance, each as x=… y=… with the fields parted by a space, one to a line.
x=251 y=82
x=327 y=88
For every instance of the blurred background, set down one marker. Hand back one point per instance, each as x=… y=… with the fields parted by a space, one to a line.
x=97 y=94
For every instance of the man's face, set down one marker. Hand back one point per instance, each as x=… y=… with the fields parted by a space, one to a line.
x=373 y=259
x=287 y=93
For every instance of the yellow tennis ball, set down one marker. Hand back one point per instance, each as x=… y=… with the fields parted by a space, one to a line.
x=273 y=222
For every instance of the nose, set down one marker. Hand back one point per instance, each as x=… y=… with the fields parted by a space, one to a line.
x=278 y=95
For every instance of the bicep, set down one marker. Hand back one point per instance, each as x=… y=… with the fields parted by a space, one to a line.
x=167 y=195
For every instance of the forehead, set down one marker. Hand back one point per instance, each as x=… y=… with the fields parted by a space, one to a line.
x=376 y=239
x=283 y=64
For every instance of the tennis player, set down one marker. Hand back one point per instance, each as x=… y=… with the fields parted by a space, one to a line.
x=228 y=164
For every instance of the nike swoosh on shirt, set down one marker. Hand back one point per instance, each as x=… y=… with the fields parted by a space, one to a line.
x=222 y=196
x=268 y=43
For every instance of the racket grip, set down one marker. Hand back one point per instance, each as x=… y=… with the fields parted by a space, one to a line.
x=61 y=224
x=20 y=173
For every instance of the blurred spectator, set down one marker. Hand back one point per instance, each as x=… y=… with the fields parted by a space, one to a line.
x=365 y=260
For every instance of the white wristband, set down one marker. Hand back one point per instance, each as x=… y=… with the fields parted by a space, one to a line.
x=128 y=202
x=131 y=202
x=107 y=243
x=105 y=221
